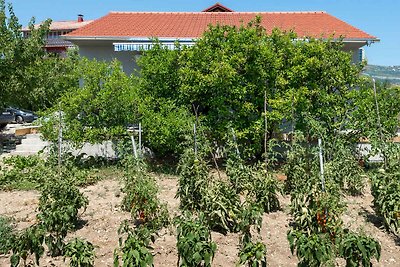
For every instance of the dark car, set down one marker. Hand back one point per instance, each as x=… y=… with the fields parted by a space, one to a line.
x=22 y=115
x=6 y=117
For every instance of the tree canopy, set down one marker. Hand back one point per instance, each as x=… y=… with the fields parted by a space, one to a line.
x=229 y=71
x=238 y=78
x=29 y=77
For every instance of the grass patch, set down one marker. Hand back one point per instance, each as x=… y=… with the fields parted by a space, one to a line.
x=32 y=172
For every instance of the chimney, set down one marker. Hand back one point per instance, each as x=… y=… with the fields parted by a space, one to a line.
x=80 y=18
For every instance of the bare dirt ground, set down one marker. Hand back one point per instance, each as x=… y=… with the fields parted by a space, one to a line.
x=104 y=215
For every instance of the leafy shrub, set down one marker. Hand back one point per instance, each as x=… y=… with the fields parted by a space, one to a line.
x=28 y=242
x=6 y=235
x=254 y=254
x=195 y=247
x=358 y=249
x=141 y=196
x=59 y=204
x=345 y=170
x=386 y=191
x=264 y=188
x=166 y=125
x=24 y=172
x=194 y=180
x=135 y=249
x=315 y=249
x=32 y=172
x=80 y=253
x=222 y=207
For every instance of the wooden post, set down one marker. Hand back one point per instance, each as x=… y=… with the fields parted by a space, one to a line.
x=379 y=122
x=59 y=141
x=266 y=129
x=321 y=164
x=140 y=139
x=235 y=141
x=195 y=139
x=195 y=109
x=134 y=146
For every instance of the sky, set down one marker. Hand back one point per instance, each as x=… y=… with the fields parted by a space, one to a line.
x=376 y=17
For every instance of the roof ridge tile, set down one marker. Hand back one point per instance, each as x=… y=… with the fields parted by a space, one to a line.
x=222 y=13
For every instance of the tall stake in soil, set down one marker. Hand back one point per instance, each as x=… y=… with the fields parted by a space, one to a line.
x=59 y=141
x=379 y=122
x=265 y=130
x=321 y=164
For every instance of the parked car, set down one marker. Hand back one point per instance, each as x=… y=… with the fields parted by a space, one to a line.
x=6 y=117
x=22 y=115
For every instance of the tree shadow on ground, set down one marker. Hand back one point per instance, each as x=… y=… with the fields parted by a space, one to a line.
x=80 y=224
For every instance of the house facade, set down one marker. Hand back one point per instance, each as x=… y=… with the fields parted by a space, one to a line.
x=122 y=35
x=54 y=42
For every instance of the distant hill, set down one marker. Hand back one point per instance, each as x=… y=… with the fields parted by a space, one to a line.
x=384 y=73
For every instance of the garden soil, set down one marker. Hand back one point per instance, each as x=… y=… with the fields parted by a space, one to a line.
x=103 y=216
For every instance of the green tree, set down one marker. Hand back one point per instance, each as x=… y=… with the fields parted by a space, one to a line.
x=98 y=110
x=226 y=75
x=17 y=53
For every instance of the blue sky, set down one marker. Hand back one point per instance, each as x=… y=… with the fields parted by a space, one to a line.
x=376 y=17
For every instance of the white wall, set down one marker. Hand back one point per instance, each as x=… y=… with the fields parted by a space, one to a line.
x=105 y=52
x=354 y=49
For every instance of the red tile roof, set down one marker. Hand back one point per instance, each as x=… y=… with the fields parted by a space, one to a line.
x=193 y=24
x=63 y=25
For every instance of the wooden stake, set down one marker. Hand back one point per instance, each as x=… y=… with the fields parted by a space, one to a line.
x=266 y=129
x=59 y=141
x=379 y=122
x=134 y=146
x=235 y=141
x=195 y=139
x=321 y=164
x=140 y=139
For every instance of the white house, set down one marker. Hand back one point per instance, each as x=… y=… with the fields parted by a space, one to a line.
x=119 y=35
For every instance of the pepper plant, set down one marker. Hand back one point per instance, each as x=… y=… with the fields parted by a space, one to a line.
x=80 y=253
x=135 y=249
x=59 y=205
x=195 y=247
x=252 y=252
x=358 y=249
x=141 y=197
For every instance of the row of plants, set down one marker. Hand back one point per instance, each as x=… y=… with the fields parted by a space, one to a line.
x=207 y=204
x=59 y=205
x=234 y=203
x=148 y=215
x=385 y=188
x=317 y=233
